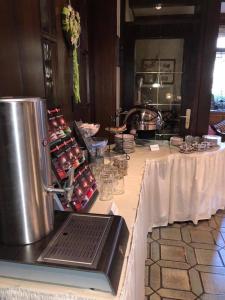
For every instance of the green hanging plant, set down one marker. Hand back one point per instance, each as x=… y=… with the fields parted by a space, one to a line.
x=72 y=29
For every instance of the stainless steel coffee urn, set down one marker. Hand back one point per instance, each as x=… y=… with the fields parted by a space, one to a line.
x=26 y=209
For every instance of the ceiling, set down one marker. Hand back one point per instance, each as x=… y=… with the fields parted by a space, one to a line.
x=152 y=3
x=145 y=8
x=171 y=10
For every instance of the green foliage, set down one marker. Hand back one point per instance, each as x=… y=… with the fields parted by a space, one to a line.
x=76 y=80
x=71 y=27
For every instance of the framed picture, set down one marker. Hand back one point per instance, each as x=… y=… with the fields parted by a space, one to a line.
x=164 y=68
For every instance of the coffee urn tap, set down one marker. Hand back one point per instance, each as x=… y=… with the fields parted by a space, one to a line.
x=68 y=190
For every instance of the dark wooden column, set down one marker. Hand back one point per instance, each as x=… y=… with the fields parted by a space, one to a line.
x=210 y=17
x=128 y=70
x=103 y=58
x=21 y=71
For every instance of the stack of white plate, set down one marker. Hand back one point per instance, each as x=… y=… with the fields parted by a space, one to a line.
x=124 y=143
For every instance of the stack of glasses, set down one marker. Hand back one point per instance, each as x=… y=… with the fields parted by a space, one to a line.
x=110 y=178
x=121 y=163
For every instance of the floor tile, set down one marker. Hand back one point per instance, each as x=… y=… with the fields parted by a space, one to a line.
x=155 y=277
x=210 y=269
x=212 y=223
x=155 y=297
x=149 y=239
x=173 y=264
x=213 y=283
x=155 y=251
x=146 y=276
x=212 y=297
x=201 y=236
x=208 y=257
x=169 y=233
x=220 y=221
x=171 y=243
x=187 y=261
x=176 y=295
x=186 y=234
x=172 y=253
x=223 y=233
x=205 y=246
x=218 y=238
x=190 y=256
x=222 y=254
x=203 y=225
x=148 y=291
x=155 y=234
x=148 y=250
x=176 y=225
x=175 y=279
x=149 y=262
x=195 y=281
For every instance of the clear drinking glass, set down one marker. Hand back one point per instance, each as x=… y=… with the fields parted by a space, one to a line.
x=119 y=184
x=109 y=178
x=105 y=187
x=189 y=139
x=121 y=163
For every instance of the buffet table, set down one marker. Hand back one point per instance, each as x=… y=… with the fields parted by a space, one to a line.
x=186 y=186
x=161 y=187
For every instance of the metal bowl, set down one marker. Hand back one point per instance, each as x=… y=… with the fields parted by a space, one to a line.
x=141 y=118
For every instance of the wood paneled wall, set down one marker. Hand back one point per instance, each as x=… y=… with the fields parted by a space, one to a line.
x=24 y=25
x=21 y=57
x=103 y=59
x=21 y=71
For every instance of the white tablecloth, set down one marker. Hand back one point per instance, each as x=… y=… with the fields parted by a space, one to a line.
x=161 y=187
x=175 y=187
x=185 y=187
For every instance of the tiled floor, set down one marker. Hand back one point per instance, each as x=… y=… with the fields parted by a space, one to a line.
x=187 y=261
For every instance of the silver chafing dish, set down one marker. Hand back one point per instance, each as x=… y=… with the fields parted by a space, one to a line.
x=143 y=117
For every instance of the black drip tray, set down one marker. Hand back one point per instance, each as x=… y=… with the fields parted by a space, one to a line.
x=79 y=242
x=84 y=250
